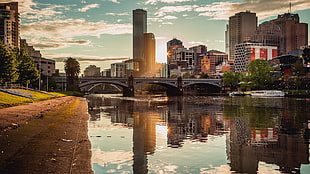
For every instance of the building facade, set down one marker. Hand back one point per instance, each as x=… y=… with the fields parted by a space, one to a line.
x=92 y=71
x=139 y=28
x=45 y=66
x=293 y=33
x=117 y=69
x=9 y=24
x=241 y=27
x=268 y=33
x=212 y=60
x=199 y=52
x=149 y=55
x=249 y=51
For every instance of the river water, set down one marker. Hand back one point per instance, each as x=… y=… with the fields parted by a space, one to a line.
x=199 y=134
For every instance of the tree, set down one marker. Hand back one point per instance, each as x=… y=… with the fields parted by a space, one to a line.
x=298 y=68
x=204 y=76
x=187 y=75
x=232 y=79
x=8 y=65
x=72 y=69
x=260 y=73
x=26 y=68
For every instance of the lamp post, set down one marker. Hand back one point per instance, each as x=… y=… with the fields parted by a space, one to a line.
x=40 y=74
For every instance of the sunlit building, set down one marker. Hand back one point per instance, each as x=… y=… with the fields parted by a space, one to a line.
x=216 y=58
x=9 y=24
x=172 y=45
x=47 y=67
x=182 y=61
x=241 y=27
x=149 y=54
x=92 y=71
x=249 y=51
x=117 y=69
x=199 y=52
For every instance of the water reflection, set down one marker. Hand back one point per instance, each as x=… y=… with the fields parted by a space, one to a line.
x=258 y=134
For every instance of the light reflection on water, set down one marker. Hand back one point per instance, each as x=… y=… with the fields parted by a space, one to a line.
x=198 y=134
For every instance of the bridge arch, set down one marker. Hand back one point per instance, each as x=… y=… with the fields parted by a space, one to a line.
x=171 y=89
x=81 y=85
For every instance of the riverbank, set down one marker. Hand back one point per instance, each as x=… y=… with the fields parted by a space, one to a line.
x=45 y=137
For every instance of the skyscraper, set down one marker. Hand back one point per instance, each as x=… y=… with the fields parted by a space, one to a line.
x=293 y=33
x=9 y=24
x=139 y=28
x=241 y=27
x=149 y=53
x=268 y=33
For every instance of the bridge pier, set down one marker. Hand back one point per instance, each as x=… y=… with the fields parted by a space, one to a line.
x=176 y=91
x=130 y=90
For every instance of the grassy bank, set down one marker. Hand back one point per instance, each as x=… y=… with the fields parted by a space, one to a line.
x=7 y=100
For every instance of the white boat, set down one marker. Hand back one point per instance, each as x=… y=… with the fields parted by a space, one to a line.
x=236 y=93
x=268 y=93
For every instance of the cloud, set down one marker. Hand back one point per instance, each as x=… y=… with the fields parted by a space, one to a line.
x=56 y=44
x=175 y=9
x=222 y=10
x=30 y=10
x=60 y=33
x=88 y=7
x=114 y=1
x=69 y=28
x=169 y=17
x=262 y=8
x=196 y=43
x=119 y=158
x=59 y=57
x=167 y=23
x=117 y=14
x=152 y=2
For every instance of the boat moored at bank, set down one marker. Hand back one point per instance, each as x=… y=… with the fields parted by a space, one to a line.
x=267 y=93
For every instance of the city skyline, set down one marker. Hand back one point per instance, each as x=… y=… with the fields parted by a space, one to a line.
x=100 y=32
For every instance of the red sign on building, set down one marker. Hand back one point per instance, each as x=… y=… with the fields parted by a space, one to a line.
x=274 y=53
x=263 y=53
x=252 y=54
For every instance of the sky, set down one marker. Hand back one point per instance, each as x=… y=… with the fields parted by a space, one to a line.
x=99 y=32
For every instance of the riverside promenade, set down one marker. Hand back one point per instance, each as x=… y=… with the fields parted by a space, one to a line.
x=46 y=137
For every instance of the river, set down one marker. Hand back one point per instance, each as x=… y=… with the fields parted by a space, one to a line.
x=199 y=134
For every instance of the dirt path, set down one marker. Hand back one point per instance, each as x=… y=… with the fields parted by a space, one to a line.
x=45 y=137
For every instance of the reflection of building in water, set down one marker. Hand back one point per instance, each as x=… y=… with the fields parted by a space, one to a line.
x=241 y=155
x=144 y=138
x=123 y=113
x=284 y=147
x=188 y=123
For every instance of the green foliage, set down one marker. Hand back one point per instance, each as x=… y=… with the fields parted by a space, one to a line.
x=298 y=68
x=173 y=76
x=72 y=93
x=259 y=73
x=204 y=76
x=232 y=79
x=72 y=69
x=188 y=75
x=7 y=100
x=26 y=68
x=8 y=65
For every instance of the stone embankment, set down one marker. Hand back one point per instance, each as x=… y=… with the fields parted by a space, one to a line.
x=45 y=137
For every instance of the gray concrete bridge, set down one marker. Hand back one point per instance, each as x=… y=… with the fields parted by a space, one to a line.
x=174 y=85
